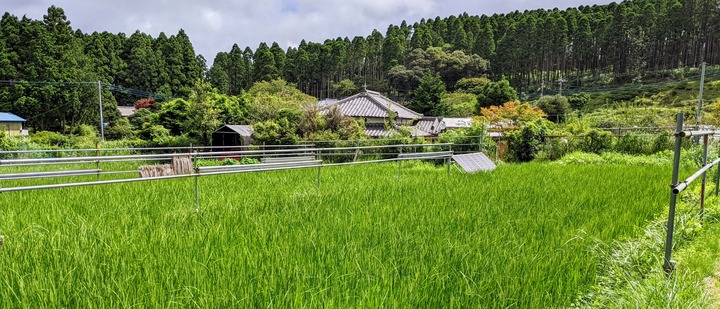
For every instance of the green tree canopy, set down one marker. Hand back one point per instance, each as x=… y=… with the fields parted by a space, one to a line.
x=496 y=93
x=428 y=96
x=555 y=107
x=265 y=99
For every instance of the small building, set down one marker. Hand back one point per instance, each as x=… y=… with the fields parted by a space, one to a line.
x=12 y=124
x=383 y=117
x=232 y=135
x=457 y=123
x=126 y=111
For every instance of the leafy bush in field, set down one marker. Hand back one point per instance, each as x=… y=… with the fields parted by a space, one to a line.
x=663 y=158
x=229 y=161
x=121 y=129
x=633 y=144
x=554 y=148
x=525 y=143
x=470 y=139
x=578 y=100
x=555 y=107
x=248 y=160
x=597 y=141
x=662 y=142
x=50 y=138
x=5 y=143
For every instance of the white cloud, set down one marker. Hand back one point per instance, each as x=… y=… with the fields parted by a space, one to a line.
x=212 y=19
x=215 y=25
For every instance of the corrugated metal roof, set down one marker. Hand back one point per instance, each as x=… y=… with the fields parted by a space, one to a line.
x=126 y=111
x=10 y=117
x=430 y=125
x=453 y=123
x=372 y=104
x=242 y=129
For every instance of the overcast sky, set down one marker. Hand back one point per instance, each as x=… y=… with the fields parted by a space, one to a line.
x=215 y=25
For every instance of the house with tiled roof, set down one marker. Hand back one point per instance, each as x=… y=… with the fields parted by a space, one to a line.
x=385 y=117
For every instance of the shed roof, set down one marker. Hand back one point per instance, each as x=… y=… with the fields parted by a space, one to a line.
x=452 y=123
x=126 y=111
x=429 y=126
x=241 y=129
x=10 y=117
x=373 y=105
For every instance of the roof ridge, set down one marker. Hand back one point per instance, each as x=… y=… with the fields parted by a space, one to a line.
x=376 y=102
x=400 y=105
x=338 y=102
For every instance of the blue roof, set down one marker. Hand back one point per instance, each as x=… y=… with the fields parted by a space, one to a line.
x=10 y=117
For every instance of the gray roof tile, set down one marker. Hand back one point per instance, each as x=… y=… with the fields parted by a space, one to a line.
x=373 y=105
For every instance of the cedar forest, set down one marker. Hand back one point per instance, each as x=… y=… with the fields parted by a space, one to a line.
x=42 y=59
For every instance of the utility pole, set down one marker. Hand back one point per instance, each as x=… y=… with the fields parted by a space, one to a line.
x=561 y=81
x=700 y=98
x=102 y=123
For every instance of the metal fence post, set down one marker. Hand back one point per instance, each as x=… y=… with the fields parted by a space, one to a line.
x=318 y=178
x=449 y=160
x=704 y=176
x=97 y=162
x=196 y=171
x=669 y=265
x=717 y=181
x=399 y=164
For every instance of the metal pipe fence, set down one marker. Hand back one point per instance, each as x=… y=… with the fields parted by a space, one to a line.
x=677 y=187
x=198 y=171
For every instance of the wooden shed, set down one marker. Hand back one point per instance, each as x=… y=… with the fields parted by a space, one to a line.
x=231 y=135
x=12 y=124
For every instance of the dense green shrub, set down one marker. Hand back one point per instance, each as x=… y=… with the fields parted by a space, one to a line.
x=525 y=143
x=555 y=148
x=555 y=106
x=50 y=138
x=597 y=141
x=578 y=100
x=632 y=143
x=661 y=142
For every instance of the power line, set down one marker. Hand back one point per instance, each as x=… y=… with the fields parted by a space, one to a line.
x=110 y=87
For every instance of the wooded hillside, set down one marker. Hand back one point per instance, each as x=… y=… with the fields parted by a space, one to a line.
x=618 y=42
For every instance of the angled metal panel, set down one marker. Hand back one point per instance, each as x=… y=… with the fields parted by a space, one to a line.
x=474 y=162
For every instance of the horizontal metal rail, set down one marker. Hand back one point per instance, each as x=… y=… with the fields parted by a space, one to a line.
x=139 y=157
x=684 y=184
x=260 y=166
x=204 y=171
x=360 y=162
x=131 y=180
x=151 y=148
x=167 y=156
x=84 y=162
x=287 y=159
x=52 y=174
x=382 y=146
x=420 y=155
x=695 y=133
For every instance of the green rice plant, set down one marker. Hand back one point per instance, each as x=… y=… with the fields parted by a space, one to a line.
x=521 y=236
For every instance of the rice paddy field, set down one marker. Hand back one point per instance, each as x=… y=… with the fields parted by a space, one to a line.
x=522 y=236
